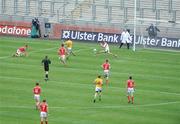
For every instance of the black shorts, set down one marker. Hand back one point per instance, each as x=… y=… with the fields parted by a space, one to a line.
x=46 y=69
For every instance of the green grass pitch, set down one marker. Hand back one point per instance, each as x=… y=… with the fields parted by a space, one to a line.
x=70 y=91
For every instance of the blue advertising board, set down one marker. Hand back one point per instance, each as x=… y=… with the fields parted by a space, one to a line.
x=90 y=36
x=163 y=42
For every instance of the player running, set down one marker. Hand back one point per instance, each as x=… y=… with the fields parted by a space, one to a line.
x=44 y=112
x=62 y=54
x=46 y=63
x=99 y=83
x=69 y=45
x=21 y=51
x=130 y=90
x=106 y=67
x=106 y=49
x=37 y=92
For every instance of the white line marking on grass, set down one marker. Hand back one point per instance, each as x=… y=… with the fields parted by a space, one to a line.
x=129 y=106
x=97 y=107
x=120 y=106
x=163 y=51
x=42 y=50
x=77 y=84
x=5 y=57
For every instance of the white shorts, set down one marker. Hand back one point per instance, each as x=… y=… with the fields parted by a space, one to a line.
x=62 y=57
x=106 y=73
x=18 y=52
x=69 y=50
x=130 y=91
x=106 y=50
x=123 y=41
x=43 y=114
x=126 y=41
x=98 y=89
x=37 y=97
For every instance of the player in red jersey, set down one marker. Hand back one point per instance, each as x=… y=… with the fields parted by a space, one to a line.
x=130 y=90
x=37 y=92
x=21 y=51
x=43 y=107
x=106 y=67
x=62 y=54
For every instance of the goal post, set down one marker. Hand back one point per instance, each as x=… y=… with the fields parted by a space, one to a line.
x=167 y=37
x=135 y=9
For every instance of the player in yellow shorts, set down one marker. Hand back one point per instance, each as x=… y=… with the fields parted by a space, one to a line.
x=69 y=45
x=98 y=90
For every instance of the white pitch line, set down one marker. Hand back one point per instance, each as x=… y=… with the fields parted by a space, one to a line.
x=43 y=50
x=5 y=57
x=167 y=51
x=76 y=84
x=97 y=107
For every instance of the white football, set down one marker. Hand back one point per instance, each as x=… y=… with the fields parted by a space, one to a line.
x=94 y=50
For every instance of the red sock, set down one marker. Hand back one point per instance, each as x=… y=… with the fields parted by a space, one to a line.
x=128 y=98
x=46 y=122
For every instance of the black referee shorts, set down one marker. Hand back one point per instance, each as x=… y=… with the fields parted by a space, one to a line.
x=46 y=69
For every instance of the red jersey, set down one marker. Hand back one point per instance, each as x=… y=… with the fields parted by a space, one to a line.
x=130 y=84
x=106 y=66
x=37 y=90
x=62 y=51
x=43 y=107
x=22 y=49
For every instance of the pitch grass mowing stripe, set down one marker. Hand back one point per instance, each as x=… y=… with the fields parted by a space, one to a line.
x=92 y=70
x=31 y=52
x=96 y=107
x=84 y=85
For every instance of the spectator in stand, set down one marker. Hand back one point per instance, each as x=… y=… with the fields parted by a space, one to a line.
x=152 y=31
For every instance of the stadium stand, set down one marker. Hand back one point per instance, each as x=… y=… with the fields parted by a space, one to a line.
x=116 y=13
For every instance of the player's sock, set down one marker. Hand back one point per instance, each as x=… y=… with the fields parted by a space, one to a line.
x=64 y=62
x=120 y=45
x=132 y=98
x=67 y=58
x=41 y=122
x=128 y=99
x=107 y=82
x=73 y=54
x=46 y=122
x=95 y=97
x=46 y=76
x=37 y=105
x=99 y=97
x=127 y=45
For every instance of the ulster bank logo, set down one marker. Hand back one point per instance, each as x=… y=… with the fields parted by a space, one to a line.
x=90 y=36
x=66 y=34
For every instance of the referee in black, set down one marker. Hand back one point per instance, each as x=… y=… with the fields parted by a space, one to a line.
x=46 y=63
